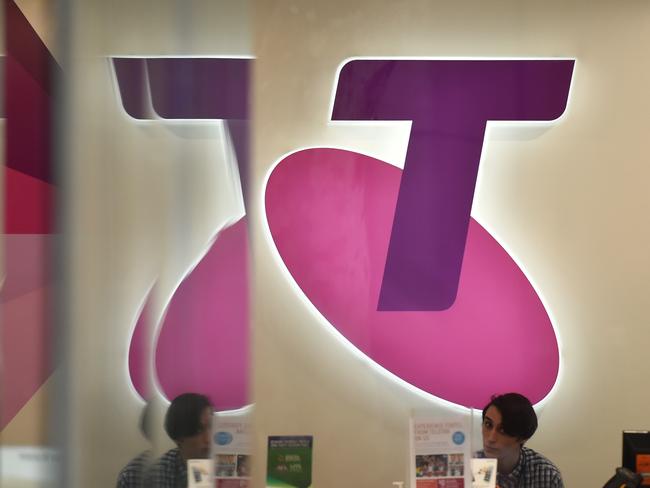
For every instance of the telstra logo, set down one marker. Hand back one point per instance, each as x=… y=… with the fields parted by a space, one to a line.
x=392 y=258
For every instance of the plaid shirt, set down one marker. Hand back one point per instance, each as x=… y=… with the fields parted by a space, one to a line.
x=132 y=475
x=532 y=471
x=170 y=471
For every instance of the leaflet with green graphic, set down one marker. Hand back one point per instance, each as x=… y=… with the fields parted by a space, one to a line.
x=289 y=461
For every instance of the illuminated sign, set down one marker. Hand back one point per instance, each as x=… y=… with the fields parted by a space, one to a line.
x=392 y=259
x=201 y=342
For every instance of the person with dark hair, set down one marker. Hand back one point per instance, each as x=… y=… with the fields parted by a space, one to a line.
x=188 y=423
x=132 y=475
x=509 y=420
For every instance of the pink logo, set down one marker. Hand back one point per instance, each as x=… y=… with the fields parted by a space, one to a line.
x=392 y=258
x=203 y=341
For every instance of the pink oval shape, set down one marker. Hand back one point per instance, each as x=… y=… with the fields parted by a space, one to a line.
x=204 y=342
x=330 y=213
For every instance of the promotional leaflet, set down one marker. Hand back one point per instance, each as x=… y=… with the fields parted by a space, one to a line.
x=289 y=461
x=200 y=473
x=441 y=452
x=484 y=473
x=231 y=449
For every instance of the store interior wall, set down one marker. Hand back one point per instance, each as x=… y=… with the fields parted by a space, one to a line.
x=570 y=204
x=144 y=202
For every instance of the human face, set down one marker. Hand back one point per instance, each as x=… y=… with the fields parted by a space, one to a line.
x=198 y=445
x=496 y=443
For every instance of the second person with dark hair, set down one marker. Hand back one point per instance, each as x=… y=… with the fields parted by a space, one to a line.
x=508 y=422
x=188 y=423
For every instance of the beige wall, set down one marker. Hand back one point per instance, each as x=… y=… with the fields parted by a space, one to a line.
x=572 y=204
x=143 y=204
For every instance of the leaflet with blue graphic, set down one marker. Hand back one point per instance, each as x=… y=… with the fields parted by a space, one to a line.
x=441 y=452
x=231 y=450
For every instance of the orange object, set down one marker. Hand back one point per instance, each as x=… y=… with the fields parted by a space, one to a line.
x=643 y=467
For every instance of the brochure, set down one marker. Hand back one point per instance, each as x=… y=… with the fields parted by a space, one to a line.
x=200 y=473
x=289 y=461
x=231 y=449
x=441 y=452
x=484 y=473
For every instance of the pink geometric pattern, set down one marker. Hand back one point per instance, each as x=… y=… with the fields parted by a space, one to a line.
x=26 y=335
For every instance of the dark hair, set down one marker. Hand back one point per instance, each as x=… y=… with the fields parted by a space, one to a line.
x=183 y=418
x=518 y=418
